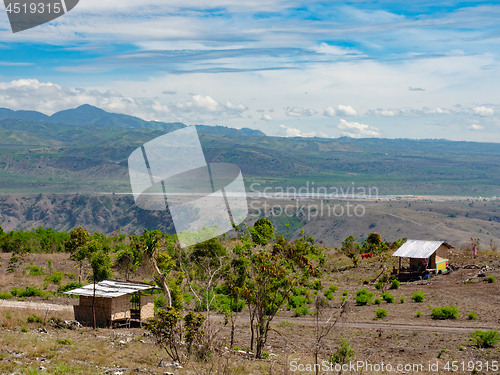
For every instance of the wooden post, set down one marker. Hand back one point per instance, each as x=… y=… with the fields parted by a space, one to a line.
x=399 y=265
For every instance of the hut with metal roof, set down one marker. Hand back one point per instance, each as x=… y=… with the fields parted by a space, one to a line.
x=424 y=256
x=115 y=302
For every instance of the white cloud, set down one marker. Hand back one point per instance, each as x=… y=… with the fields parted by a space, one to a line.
x=299 y=112
x=357 y=130
x=475 y=127
x=483 y=111
x=266 y=117
x=285 y=131
x=341 y=110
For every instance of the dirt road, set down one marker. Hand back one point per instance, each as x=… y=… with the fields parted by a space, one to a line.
x=34 y=306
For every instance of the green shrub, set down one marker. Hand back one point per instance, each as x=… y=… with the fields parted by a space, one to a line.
x=24 y=329
x=418 y=296
x=54 y=278
x=333 y=288
x=402 y=299
x=388 y=297
x=5 y=295
x=68 y=287
x=64 y=341
x=34 y=270
x=296 y=301
x=472 y=315
x=34 y=319
x=378 y=285
x=364 y=297
x=301 y=311
x=344 y=353
x=490 y=279
x=445 y=312
x=29 y=291
x=381 y=313
x=486 y=339
x=345 y=293
x=395 y=284
x=419 y=314
x=329 y=294
x=378 y=301
x=462 y=348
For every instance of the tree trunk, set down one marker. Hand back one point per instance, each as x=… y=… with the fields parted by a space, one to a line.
x=93 y=309
x=163 y=280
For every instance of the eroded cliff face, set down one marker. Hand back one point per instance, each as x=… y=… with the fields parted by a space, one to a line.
x=100 y=213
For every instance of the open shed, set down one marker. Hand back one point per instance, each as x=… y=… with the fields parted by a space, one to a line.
x=424 y=256
x=116 y=302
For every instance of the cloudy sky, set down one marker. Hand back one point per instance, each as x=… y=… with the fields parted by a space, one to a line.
x=425 y=69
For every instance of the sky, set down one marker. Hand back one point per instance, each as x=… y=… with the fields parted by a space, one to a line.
x=425 y=69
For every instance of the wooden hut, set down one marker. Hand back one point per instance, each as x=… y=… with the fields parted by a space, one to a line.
x=424 y=257
x=116 y=301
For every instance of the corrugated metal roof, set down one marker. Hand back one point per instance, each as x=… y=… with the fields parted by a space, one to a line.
x=110 y=289
x=418 y=249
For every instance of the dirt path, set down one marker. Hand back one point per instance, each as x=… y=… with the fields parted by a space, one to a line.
x=34 y=306
x=304 y=321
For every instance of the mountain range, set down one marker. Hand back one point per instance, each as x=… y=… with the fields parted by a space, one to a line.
x=87 y=115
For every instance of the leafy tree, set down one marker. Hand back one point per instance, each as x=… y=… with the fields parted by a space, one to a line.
x=128 y=261
x=78 y=239
x=351 y=249
x=97 y=255
x=262 y=232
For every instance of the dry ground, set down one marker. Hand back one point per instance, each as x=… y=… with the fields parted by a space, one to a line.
x=400 y=338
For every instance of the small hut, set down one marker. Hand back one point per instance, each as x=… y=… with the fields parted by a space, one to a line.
x=425 y=257
x=116 y=302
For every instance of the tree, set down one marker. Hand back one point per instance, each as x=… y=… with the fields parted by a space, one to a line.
x=78 y=238
x=262 y=232
x=100 y=262
x=351 y=249
x=160 y=261
x=128 y=261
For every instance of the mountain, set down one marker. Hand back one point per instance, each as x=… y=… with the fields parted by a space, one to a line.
x=87 y=115
x=6 y=113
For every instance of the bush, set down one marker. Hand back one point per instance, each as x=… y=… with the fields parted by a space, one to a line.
x=445 y=312
x=419 y=314
x=378 y=301
x=344 y=353
x=490 y=279
x=378 y=285
x=486 y=339
x=296 y=301
x=418 y=296
x=34 y=319
x=29 y=291
x=395 y=284
x=24 y=329
x=34 y=270
x=345 y=293
x=301 y=311
x=68 y=287
x=388 y=297
x=472 y=315
x=364 y=297
x=381 y=313
x=5 y=295
x=54 y=278
x=329 y=294
x=402 y=299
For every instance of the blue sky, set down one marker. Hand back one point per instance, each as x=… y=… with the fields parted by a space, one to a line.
x=289 y=68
